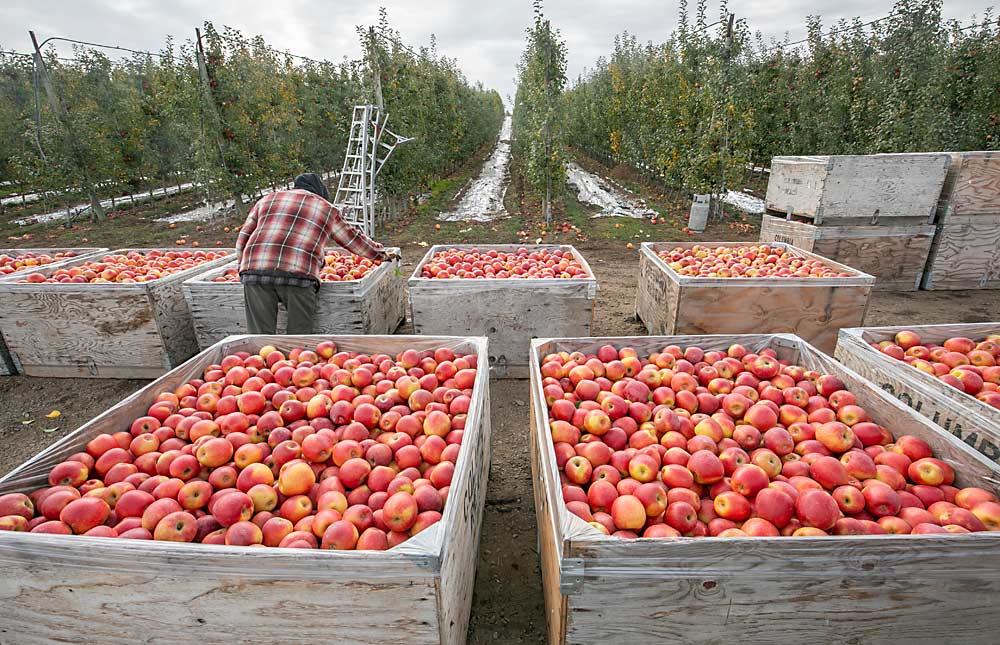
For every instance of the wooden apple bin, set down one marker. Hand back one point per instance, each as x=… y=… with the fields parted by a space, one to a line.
x=835 y=589
x=895 y=254
x=77 y=589
x=510 y=312
x=375 y=304
x=814 y=308
x=966 y=417
x=7 y=365
x=111 y=330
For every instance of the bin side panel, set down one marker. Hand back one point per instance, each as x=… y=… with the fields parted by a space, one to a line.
x=86 y=332
x=813 y=313
x=965 y=254
x=43 y=604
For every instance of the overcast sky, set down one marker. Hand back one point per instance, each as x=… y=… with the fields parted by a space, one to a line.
x=486 y=37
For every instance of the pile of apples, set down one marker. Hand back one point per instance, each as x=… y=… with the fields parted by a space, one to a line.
x=27 y=261
x=733 y=443
x=966 y=365
x=316 y=449
x=759 y=261
x=339 y=267
x=492 y=264
x=128 y=268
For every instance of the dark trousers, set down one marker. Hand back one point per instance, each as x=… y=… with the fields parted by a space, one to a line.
x=261 y=303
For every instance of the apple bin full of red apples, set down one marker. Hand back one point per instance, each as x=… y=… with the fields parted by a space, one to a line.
x=949 y=373
x=738 y=485
x=356 y=296
x=344 y=475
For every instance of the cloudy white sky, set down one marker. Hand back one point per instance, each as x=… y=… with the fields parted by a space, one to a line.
x=485 y=37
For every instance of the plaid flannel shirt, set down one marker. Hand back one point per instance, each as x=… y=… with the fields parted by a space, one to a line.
x=284 y=237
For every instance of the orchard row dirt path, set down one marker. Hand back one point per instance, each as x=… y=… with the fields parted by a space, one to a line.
x=507 y=605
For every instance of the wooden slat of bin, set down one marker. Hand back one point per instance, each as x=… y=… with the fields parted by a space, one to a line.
x=857 y=189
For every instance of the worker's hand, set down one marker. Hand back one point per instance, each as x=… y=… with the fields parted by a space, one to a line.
x=392 y=256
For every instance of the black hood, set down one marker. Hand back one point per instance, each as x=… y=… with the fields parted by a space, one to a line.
x=310 y=181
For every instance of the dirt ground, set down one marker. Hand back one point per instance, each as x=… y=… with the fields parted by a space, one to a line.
x=507 y=605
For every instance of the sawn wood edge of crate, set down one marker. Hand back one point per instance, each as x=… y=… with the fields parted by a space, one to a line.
x=769 y=590
x=969 y=419
x=418 y=592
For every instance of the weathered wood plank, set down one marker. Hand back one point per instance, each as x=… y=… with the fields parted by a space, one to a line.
x=972 y=186
x=857 y=189
x=878 y=589
x=969 y=419
x=965 y=254
x=8 y=366
x=895 y=255
x=813 y=308
x=98 y=330
x=509 y=312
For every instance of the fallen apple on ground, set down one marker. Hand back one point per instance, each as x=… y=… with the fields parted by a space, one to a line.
x=638 y=459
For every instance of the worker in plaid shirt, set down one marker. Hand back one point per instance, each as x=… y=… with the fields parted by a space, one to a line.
x=281 y=251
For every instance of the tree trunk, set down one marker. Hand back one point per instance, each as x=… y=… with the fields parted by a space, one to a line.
x=96 y=210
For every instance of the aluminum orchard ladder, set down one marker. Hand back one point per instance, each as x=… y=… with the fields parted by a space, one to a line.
x=365 y=156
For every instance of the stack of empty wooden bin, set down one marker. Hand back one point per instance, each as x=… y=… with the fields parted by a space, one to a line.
x=874 y=213
x=966 y=249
